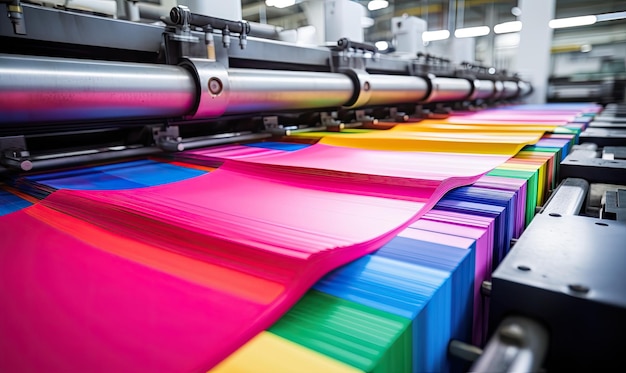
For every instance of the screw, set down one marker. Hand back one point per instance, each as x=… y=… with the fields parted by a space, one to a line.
x=578 y=288
x=215 y=86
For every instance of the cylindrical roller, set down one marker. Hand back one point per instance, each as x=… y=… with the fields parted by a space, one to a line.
x=483 y=90
x=265 y=90
x=40 y=89
x=524 y=88
x=212 y=85
x=511 y=89
x=392 y=89
x=449 y=89
x=498 y=91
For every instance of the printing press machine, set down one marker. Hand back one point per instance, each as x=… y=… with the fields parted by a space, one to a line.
x=80 y=88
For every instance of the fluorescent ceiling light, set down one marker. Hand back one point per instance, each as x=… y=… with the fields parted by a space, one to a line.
x=382 y=45
x=280 y=3
x=572 y=22
x=503 y=28
x=471 y=32
x=435 y=35
x=610 y=16
x=377 y=4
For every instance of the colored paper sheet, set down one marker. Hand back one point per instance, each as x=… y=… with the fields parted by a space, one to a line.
x=268 y=352
x=257 y=225
x=361 y=336
x=443 y=126
x=76 y=298
x=450 y=142
x=273 y=222
x=481 y=227
x=518 y=186
x=10 y=202
x=123 y=175
x=530 y=177
x=421 y=291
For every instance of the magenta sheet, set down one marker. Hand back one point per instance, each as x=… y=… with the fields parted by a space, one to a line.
x=70 y=306
x=230 y=152
x=279 y=225
x=518 y=116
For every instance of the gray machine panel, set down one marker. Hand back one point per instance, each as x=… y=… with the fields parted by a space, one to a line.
x=567 y=272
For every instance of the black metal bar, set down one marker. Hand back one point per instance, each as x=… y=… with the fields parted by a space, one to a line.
x=345 y=44
x=199 y=20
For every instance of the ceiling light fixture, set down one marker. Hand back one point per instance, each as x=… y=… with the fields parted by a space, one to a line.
x=471 y=32
x=280 y=3
x=435 y=35
x=572 y=22
x=382 y=45
x=377 y=4
x=503 y=28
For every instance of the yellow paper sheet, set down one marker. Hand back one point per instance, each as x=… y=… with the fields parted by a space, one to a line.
x=439 y=126
x=269 y=353
x=451 y=142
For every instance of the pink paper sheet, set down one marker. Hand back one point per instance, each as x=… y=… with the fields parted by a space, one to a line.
x=281 y=226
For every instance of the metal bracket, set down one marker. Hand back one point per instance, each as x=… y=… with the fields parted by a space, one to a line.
x=14 y=154
x=614 y=206
x=519 y=345
x=183 y=32
x=168 y=138
x=16 y=15
x=270 y=122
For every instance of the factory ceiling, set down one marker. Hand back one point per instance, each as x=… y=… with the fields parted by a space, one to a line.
x=465 y=13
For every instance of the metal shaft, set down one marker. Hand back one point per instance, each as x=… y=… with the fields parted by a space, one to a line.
x=391 y=89
x=266 y=90
x=449 y=89
x=41 y=89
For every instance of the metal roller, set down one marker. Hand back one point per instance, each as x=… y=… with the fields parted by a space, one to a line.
x=511 y=89
x=380 y=89
x=483 y=89
x=449 y=89
x=268 y=90
x=392 y=89
x=498 y=91
x=524 y=88
x=41 y=89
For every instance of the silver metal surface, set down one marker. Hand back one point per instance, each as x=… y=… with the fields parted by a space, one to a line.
x=223 y=139
x=41 y=89
x=519 y=345
x=392 y=89
x=362 y=92
x=464 y=350
x=499 y=90
x=511 y=89
x=524 y=88
x=253 y=91
x=568 y=199
x=449 y=89
x=92 y=156
x=483 y=90
x=211 y=102
x=47 y=24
